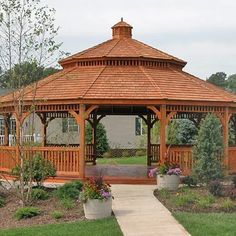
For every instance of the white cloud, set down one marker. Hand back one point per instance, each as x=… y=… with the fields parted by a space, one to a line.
x=201 y=32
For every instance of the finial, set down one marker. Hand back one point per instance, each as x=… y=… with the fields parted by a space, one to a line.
x=121 y=19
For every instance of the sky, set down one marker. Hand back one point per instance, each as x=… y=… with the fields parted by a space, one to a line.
x=201 y=32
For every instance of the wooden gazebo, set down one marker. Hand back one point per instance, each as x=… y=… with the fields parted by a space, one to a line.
x=121 y=76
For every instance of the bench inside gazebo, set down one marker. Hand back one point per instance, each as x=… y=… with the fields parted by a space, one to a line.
x=121 y=76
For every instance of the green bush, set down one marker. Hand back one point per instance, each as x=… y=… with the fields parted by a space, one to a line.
x=107 y=155
x=125 y=154
x=186 y=198
x=2 y=201
x=204 y=202
x=208 y=150
x=140 y=153
x=227 y=205
x=215 y=188
x=56 y=215
x=164 y=193
x=39 y=194
x=67 y=203
x=40 y=168
x=26 y=212
x=234 y=180
x=102 y=141
x=190 y=181
x=69 y=190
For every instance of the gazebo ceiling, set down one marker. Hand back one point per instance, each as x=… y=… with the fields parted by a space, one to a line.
x=125 y=69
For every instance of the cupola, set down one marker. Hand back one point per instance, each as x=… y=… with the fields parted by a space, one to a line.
x=122 y=30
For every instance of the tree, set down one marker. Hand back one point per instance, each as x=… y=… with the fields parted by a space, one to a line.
x=181 y=131
x=208 y=150
x=218 y=79
x=231 y=83
x=27 y=35
x=31 y=73
x=102 y=141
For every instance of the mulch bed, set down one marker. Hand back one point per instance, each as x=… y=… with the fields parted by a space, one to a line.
x=192 y=207
x=7 y=212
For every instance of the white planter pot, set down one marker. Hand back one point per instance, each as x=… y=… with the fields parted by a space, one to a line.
x=170 y=182
x=97 y=209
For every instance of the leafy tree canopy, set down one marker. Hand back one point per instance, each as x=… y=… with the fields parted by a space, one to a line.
x=218 y=79
x=30 y=71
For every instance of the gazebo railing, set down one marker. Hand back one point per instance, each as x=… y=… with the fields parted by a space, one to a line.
x=232 y=159
x=179 y=154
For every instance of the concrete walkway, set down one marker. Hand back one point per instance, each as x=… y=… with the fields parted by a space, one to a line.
x=139 y=213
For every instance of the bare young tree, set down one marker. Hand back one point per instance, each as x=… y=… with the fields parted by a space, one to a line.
x=27 y=34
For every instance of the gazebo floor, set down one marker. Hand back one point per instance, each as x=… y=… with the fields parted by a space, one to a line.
x=113 y=174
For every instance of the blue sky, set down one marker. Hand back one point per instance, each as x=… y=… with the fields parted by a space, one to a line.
x=201 y=32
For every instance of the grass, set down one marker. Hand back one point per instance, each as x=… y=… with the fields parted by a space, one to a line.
x=136 y=160
x=104 y=227
x=208 y=224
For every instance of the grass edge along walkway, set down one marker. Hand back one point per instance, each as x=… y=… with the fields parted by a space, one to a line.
x=208 y=224
x=103 y=227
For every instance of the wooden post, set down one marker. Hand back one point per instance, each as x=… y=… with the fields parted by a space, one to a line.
x=149 y=139
x=82 y=141
x=94 y=126
x=18 y=140
x=44 y=129
x=80 y=119
x=225 y=127
x=163 y=122
x=6 y=129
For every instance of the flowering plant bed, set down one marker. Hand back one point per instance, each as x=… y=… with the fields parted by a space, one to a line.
x=46 y=208
x=197 y=199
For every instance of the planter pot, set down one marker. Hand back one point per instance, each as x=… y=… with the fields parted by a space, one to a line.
x=97 y=209
x=170 y=182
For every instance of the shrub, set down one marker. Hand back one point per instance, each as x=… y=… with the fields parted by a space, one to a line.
x=69 y=190
x=40 y=168
x=107 y=155
x=140 y=153
x=204 y=202
x=164 y=193
x=56 y=215
x=208 y=150
x=26 y=212
x=2 y=201
x=125 y=154
x=227 y=205
x=102 y=141
x=231 y=193
x=234 y=180
x=67 y=203
x=39 y=194
x=215 y=188
x=190 y=181
x=185 y=199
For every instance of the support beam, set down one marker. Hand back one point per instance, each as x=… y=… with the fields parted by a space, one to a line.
x=80 y=119
x=6 y=129
x=163 y=123
x=225 y=126
x=148 y=123
x=95 y=123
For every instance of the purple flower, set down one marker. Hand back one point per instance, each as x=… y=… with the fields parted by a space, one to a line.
x=174 y=171
x=152 y=173
x=105 y=194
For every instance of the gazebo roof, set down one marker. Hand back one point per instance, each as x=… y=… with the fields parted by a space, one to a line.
x=123 y=68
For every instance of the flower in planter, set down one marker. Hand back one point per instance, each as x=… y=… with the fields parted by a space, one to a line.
x=166 y=168
x=95 y=188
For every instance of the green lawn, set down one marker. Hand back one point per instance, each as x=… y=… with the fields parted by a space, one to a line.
x=136 y=160
x=105 y=227
x=208 y=224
